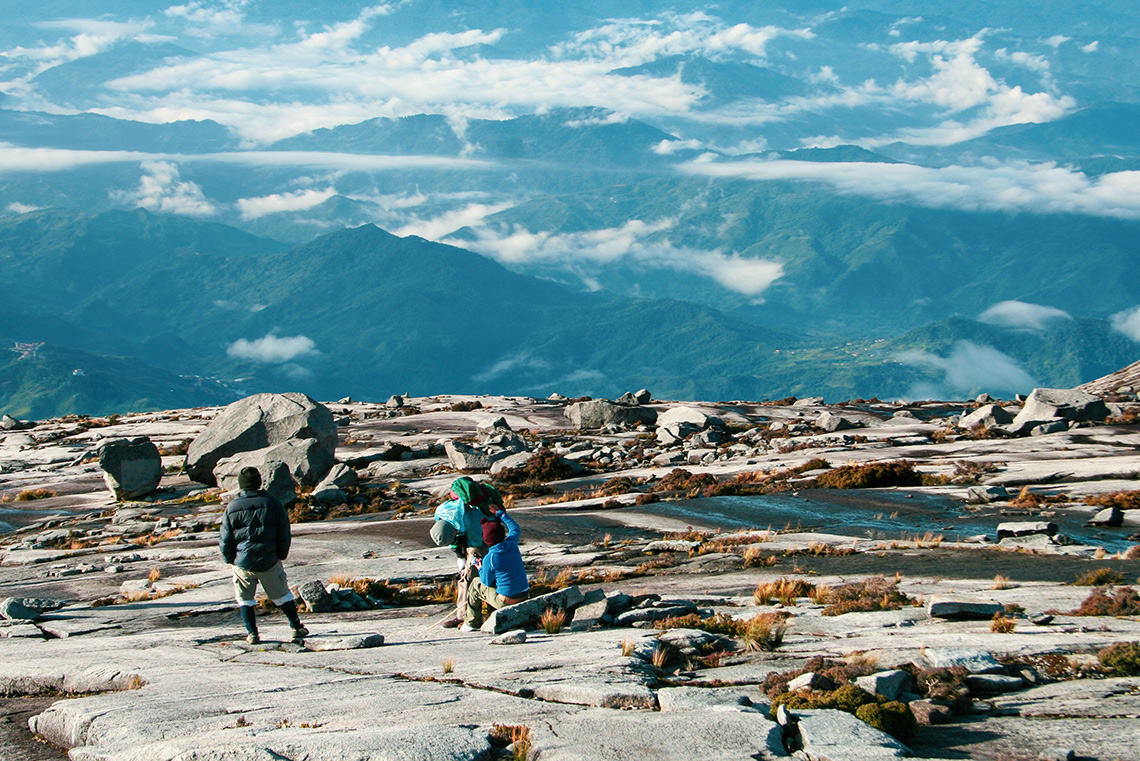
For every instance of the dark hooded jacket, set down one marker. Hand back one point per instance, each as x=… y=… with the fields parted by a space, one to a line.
x=255 y=532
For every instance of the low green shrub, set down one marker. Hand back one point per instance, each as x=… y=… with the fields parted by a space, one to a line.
x=871 y=475
x=1123 y=658
x=893 y=717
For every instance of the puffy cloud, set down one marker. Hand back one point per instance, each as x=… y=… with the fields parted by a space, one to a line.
x=1128 y=323
x=162 y=189
x=958 y=83
x=968 y=368
x=22 y=208
x=1091 y=47
x=639 y=241
x=669 y=147
x=1021 y=315
x=272 y=350
x=1021 y=58
x=1019 y=186
x=300 y=200
x=217 y=19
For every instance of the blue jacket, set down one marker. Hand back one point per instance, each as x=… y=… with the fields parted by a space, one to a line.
x=503 y=564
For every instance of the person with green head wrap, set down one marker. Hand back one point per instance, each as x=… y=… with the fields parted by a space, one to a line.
x=458 y=524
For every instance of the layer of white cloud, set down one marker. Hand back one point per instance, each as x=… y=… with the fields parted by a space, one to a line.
x=1128 y=323
x=16 y=159
x=636 y=240
x=967 y=368
x=163 y=190
x=91 y=36
x=271 y=349
x=437 y=227
x=299 y=200
x=1021 y=315
x=1043 y=188
x=519 y=362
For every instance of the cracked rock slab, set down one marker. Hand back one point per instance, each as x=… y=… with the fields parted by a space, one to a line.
x=1117 y=698
x=704 y=735
x=598 y=693
x=323 y=643
x=838 y=736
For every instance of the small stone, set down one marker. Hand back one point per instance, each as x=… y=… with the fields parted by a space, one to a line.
x=314 y=595
x=13 y=610
x=323 y=643
x=811 y=681
x=927 y=712
x=1057 y=754
x=516 y=637
x=1109 y=516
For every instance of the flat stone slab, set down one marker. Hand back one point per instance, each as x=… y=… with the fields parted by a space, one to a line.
x=839 y=736
x=20 y=631
x=969 y=610
x=704 y=735
x=1115 y=698
x=324 y=642
x=702 y=699
x=598 y=693
x=974 y=661
x=76 y=627
x=991 y=683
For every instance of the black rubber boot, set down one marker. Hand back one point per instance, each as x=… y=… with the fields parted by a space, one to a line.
x=249 y=618
x=290 y=611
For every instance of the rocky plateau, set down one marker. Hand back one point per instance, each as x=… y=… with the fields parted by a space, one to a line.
x=711 y=580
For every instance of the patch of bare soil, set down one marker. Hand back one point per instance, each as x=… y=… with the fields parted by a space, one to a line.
x=16 y=741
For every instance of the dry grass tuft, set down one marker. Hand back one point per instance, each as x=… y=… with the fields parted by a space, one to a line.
x=1000 y=582
x=874 y=593
x=515 y=737
x=448 y=665
x=1002 y=624
x=785 y=591
x=553 y=620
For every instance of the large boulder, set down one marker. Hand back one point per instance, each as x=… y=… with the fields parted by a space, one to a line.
x=132 y=468
x=692 y=415
x=262 y=421
x=988 y=415
x=599 y=413
x=519 y=615
x=9 y=423
x=1048 y=405
x=282 y=467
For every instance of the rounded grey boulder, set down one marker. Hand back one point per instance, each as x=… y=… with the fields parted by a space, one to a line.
x=262 y=421
x=132 y=468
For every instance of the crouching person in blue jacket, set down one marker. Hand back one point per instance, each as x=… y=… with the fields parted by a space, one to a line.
x=502 y=578
x=255 y=538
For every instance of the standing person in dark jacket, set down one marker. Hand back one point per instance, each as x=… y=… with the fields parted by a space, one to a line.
x=255 y=539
